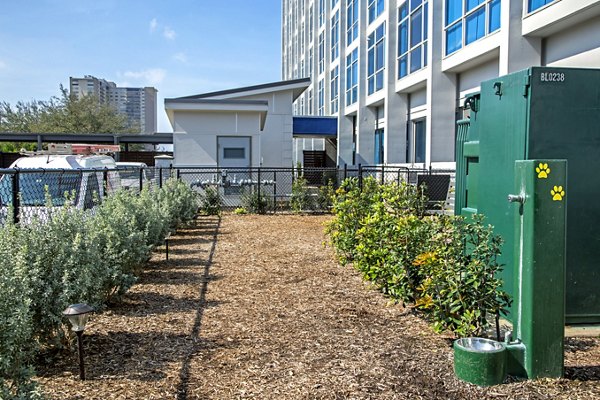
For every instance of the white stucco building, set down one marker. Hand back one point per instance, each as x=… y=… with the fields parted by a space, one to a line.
x=396 y=72
x=245 y=127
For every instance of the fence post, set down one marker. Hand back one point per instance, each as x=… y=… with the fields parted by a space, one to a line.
x=345 y=171
x=274 y=190
x=258 y=184
x=360 y=177
x=160 y=177
x=141 y=178
x=178 y=173
x=15 y=197
x=382 y=174
x=105 y=181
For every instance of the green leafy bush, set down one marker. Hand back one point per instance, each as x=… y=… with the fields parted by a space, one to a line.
x=350 y=206
x=301 y=199
x=325 y=196
x=211 y=202
x=255 y=201
x=445 y=266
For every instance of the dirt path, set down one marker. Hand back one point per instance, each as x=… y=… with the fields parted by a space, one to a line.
x=255 y=307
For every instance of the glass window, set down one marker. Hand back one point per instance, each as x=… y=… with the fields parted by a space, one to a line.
x=321 y=12
x=475 y=24
x=321 y=53
x=453 y=10
x=412 y=37
x=494 y=23
x=375 y=8
x=454 y=38
x=321 y=98
x=234 y=153
x=378 y=159
x=310 y=24
x=33 y=187
x=334 y=2
x=334 y=89
x=352 y=77
x=376 y=59
x=416 y=142
x=351 y=21
x=468 y=24
x=335 y=35
x=535 y=4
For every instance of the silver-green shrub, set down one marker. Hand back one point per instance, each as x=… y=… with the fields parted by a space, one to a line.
x=77 y=256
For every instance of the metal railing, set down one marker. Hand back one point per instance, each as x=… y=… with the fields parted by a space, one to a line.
x=27 y=194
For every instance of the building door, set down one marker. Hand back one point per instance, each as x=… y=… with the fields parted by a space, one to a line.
x=379 y=146
x=416 y=142
x=233 y=151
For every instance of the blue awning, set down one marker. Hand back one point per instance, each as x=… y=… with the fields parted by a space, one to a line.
x=315 y=127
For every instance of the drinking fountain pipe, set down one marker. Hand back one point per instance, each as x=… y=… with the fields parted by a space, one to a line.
x=535 y=348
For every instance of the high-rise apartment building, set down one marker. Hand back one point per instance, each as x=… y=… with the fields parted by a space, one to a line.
x=396 y=72
x=138 y=104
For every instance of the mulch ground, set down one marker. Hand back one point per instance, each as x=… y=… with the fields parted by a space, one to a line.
x=256 y=307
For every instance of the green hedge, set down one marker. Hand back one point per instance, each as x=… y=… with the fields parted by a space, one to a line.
x=443 y=265
x=76 y=257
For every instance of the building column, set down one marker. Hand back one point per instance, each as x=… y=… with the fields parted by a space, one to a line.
x=442 y=92
x=517 y=52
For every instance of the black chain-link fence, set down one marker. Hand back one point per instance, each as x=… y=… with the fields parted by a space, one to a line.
x=27 y=194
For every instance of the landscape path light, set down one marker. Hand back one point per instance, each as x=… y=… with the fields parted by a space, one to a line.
x=78 y=315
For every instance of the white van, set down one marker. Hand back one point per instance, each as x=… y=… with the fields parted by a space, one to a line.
x=129 y=171
x=60 y=177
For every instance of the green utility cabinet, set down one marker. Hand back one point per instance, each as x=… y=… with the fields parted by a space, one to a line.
x=538 y=113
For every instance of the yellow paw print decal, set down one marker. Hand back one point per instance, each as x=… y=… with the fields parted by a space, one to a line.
x=557 y=193
x=542 y=170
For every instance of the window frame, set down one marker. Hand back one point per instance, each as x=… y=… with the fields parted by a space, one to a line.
x=334 y=76
x=335 y=36
x=406 y=21
x=460 y=23
x=376 y=43
x=352 y=23
x=352 y=77
x=374 y=9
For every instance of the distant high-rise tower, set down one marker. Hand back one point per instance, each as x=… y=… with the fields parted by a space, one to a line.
x=138 y=104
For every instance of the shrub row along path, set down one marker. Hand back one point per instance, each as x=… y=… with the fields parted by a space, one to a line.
x=256 y=307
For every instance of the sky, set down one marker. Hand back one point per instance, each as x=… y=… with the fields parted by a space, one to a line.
x=181 y=47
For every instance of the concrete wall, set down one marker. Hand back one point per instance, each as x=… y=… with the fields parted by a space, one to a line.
x=196 y=132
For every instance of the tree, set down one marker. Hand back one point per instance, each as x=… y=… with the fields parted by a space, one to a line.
x=64 y=114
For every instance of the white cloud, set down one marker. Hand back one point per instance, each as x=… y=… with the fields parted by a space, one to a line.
x=146 y=77
x=169 y=33
x=153 y=24
x=181 y=57
x=2 y=64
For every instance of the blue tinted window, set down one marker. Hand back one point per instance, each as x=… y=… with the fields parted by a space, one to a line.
x=414 y=4
x=402 y=12
x=420 y=140
x=471 y=4
x=412 y=37
x=378 y=146
x=416 y=28
x=402 y=38
x=494 y=23
x=402 y=67
x=453 y=10
x=475 y=26
x=535 y=4
x=454 y=38
x=415 y=59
